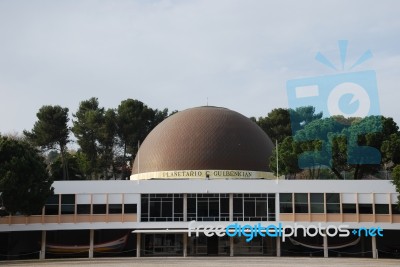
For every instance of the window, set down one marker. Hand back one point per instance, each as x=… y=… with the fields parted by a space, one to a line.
x=161 y=207
x=332 y=203
x=210 y=207
x=381 y=209
x=99 y=208
x=349 y=208
x=365 y=208
x=237 y=208
x=83 y=209
x=52 y=205
x=130 y=208
x=253 y=207
x=68 y=204
x=301 y=202
x=317 y=202
x=395 y=209
x=286 y=202
x=114 y=208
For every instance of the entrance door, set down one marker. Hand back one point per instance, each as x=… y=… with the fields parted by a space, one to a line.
x=212 y=245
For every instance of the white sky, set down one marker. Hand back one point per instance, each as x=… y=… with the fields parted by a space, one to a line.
x=175 y=54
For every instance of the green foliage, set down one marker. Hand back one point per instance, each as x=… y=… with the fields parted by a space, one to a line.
x=74 y=170
x=334 y=139
x=87 y=127
x=280 y=122
x=51 y=132
x=134 y=122
x=396 y=182
x=276 y=124
x=24 y=180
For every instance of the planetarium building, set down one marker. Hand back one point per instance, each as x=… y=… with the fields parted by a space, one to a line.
x=201 y=186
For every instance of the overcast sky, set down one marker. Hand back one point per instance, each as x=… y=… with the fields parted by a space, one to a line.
x=176 y=54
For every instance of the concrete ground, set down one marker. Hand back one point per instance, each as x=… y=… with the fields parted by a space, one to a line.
x=208 y=261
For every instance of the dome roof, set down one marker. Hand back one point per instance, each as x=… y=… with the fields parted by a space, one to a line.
x=204 y=138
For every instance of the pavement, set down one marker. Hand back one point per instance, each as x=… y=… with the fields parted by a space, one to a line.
x=210 y=261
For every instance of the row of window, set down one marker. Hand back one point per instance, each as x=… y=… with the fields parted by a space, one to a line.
x=68 y=206
x=161 y=207
x=315 y=203
x=207 y=207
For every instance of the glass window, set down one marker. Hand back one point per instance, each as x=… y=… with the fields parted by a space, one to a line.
x=395 y=209
x=166 y=211
x=83 y=209
x=332 y=203
x=161 y=207
x=249 y=208
x=99 y=208
x=130 y=208
x=67 y=209
x=365 y=208
x=52 y=207
x=213 y=209
x=224 y=205
x=68 y=199
x=114 y=208
x=317 y=202
x=286 y=204
x=332 y=198
x=178 y=205
x=52 y=200
x=261 y=208
x=349 y=208
x=51 y=210
x=381 y=208
x=301 y=202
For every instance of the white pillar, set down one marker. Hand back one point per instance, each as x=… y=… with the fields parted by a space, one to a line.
x=231 y=246
x=185 y=207
x=374 y=250
x=185 y=244
x=278 y=246
x=231 y=207
x=138 y=241
x=91 y=244
x=325 y=245
x=43 y=246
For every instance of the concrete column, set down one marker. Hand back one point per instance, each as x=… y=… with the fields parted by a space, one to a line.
x=325 y=245
x=278 y=246
x=185 y=207
x=231 y=207
x=185 y=240
x=374 y=250
x=231 y=246
x=43 y=246
x=91 y=244
x=138 y=242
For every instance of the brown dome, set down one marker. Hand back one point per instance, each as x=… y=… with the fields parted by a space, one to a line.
x=205 y=138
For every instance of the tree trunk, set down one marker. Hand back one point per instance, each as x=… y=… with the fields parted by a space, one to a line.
x=337 y=173
x=64 y=163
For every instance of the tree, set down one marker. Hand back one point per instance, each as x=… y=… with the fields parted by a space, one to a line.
x=24 y=181
x=86 y=127
x=51 y=132
x=277 y=124
x=355 y=145
x=396 y=182
x=287 y=158
x=134 y=121
x=107 y=139
x=74 y=170
x=281 y=123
